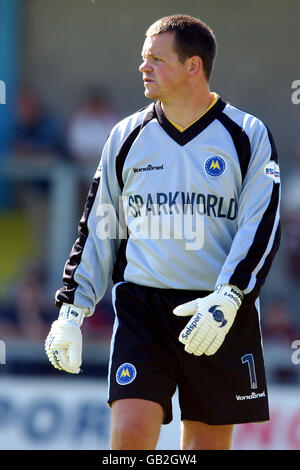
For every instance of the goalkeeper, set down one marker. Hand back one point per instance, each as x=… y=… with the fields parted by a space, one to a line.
x=186 y=307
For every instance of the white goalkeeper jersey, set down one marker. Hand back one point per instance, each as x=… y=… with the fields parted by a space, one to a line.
x=179 y=209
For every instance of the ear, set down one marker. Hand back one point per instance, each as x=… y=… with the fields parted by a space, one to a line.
x=194 y=64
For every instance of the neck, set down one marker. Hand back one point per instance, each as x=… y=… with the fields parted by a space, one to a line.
x=185 y=110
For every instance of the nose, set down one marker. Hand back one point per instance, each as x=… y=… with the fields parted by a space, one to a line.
x=145 y=66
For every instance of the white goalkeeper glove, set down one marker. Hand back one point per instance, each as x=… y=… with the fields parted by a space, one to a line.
x=213 y=316
x=63 y=344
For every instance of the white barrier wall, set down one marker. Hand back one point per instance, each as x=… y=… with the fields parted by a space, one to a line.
x=53 y=414
x=66 y=413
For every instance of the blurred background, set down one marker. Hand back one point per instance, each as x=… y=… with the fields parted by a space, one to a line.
x=68 y=73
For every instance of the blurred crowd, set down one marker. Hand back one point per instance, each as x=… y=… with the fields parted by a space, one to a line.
x=39 y=132
x=26 y=311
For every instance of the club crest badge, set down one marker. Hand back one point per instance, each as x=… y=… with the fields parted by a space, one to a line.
x=126 y=373
x=215 y=165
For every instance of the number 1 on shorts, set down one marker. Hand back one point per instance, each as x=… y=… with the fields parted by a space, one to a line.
x=248 y=358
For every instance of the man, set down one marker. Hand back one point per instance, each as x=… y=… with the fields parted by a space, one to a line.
x=198 y=227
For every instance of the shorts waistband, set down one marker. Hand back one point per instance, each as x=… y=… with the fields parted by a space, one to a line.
x=169 y=291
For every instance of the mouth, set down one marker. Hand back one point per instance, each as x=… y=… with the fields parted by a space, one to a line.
x=147 y=80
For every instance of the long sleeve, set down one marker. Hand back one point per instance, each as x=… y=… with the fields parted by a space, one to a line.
x=257 y=239
x=90 y=264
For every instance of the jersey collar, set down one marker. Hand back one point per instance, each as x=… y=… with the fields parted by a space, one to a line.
x=182 y=138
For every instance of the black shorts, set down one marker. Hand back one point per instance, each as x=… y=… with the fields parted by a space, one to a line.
x=147 y=360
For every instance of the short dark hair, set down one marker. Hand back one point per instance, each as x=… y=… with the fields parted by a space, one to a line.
x=192 y=37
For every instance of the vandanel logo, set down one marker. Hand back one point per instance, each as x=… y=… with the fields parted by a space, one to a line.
x=126 y=373
x=215 y=166
x=253 y=396
x=149 y=168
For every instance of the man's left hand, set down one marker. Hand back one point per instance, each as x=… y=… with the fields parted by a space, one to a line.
x=212 y=318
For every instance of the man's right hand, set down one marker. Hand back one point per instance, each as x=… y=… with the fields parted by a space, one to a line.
x=63 y=344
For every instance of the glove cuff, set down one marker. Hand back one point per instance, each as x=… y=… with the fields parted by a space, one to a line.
x=71 y=313
x=231 y=293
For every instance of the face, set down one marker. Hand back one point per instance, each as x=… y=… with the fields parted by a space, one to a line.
x=164 y=75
